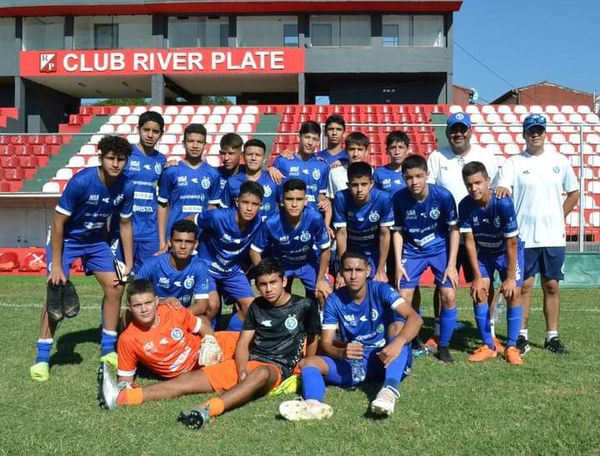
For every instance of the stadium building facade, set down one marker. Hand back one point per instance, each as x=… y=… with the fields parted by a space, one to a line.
x=263 y=52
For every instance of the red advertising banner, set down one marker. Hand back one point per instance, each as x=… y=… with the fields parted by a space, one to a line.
x=140 y=62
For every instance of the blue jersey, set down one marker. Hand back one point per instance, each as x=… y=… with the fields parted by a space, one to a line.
x=294 y=246
x=88 y=203
x=144 y=171
x=313 y=172
x=362 y=222
x=424 y=224
x=324 y=155
x=388 y=180
x=224 y=247
x=188 y=190
x=269 y=204
x=490 y=225
x=365 y=321
x=224 y=176
x=189 y=284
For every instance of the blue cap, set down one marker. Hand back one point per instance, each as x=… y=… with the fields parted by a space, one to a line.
x=459 y=118
x=533 y=120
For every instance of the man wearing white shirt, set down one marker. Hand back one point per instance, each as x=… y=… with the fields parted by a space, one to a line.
x=537 y=178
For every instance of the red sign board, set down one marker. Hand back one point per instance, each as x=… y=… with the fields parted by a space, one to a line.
x=140 y=62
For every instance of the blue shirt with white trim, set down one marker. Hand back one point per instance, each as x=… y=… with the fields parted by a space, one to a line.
x=341 y=156
x=388 y=180
x=269 y=205
x=313 y=172
x=89 y=203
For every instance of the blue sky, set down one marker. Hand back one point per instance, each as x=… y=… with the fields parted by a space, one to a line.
x=527 y=41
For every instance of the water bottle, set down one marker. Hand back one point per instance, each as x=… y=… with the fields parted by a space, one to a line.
x=420 y=349
x=358 y=371
x=499 y=310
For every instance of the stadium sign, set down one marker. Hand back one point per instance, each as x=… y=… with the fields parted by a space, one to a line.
x=140 y=62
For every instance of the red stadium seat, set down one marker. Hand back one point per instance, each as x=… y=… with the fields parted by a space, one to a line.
x=7 y=149
x=28 y=162
x=14 y=174
x=9 y=161
x=5 y=187
x=77 y=265
x=9 y=261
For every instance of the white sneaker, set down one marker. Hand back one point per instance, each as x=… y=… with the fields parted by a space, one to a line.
x=108 y=390
x=385 y=401
x=300 y=409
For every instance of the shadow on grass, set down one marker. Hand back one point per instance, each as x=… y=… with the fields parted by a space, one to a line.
x=463 y=339
x=67 y=343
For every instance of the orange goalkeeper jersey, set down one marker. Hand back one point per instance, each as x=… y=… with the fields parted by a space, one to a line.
x=169 y=348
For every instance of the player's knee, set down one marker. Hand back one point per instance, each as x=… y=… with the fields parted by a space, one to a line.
x=550 y=287
x=262 y=375
x=448 y=298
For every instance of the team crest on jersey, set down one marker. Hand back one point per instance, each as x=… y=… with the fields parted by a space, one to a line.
x=157 y=168
x=556 y=170
x=291 y=322
x=374 y=314
x=373 y=216
x=316 y=174
x=434 y=213
x=189 y=282
x=118 y=199
x=176 y=334
x=268 y=190
x=305 y=236
x=497 y=222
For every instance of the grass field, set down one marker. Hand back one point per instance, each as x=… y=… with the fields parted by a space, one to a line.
x=549 y=406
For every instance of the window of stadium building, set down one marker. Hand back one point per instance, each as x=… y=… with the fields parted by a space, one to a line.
x=263 y=31
x=340 y=30
x=111 y=32
x=198 y=31
x=420 y=30
x=41 y=33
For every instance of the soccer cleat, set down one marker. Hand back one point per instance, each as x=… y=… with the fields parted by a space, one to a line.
x=40 y=372
x=70 y=300
x=512 y=355
x=443 y=354
x=523 y=345
x=482 y=354
x=432 y=343
x=194 y=419
x=54 y=305
x=499 y=346
x=110 y=358
x=300 y=409
x=289 y=386
x=555 y=345
x=108 y=390
x=385 y=401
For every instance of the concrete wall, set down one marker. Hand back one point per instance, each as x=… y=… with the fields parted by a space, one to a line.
x=25 y=221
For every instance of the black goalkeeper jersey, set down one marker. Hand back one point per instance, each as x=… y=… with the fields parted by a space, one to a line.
x=280 y=331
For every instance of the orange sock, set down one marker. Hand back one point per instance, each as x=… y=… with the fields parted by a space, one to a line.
x=216 y=406
x=133 y=396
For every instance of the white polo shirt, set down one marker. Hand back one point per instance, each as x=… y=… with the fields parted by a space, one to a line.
x=445 y=168
x=537 y=183
x=336 y=181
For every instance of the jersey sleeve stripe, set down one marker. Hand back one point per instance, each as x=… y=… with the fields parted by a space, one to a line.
x=125 y=216
x=201 y=296
x=387 y=224
x=511 y=234
x=216 y=201
x=330 y=326
x=452 y=222
x=325 y=245
x=62 y=211
x=122 y=373
x=339 y=225
x=466 y=230
x=162 y=200
x=198 y=326
x=397 y=302
x=256 y=249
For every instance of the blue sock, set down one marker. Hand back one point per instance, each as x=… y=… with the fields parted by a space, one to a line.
x=108 y=342
x=482 y=317
x=513 y=324
x=313 y=384
x=44 y=347
x=447 y=324
x=396 y=371
x=235 y=324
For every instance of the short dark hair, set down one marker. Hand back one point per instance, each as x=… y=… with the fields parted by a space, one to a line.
x=294 y=184
x=397 y=136
x=335 y=118
x=152 y=116
x=414 y=161
x=120 y=146
x=231 y=140
x=140 y=286
x=194 y=128
x=255 y=143
x=252 y=188
x=356 y=255
x=474 y=167
x=184 y=226
x=310 y=126
x=357 y=138
x=267 y=266
x=359 y=169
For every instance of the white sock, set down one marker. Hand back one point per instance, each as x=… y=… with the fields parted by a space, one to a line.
x=524 y=333
x=550 y=335
x=493 y=330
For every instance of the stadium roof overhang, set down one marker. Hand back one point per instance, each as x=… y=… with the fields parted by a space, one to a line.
x=174 y=7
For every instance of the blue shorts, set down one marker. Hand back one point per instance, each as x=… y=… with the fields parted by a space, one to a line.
x=142 y=250
x=307 y=275
x=340 y=370
x=490 y=263
x=234 y=285
x=96 y=257
x=547 y=261
x=417 y=265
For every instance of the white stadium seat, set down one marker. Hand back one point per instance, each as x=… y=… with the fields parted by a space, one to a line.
x=107 y=129
x=188 y=110
x=139 y=110
x=237 y=110
x=171 y=110
x=51 y=187
x=123 y=111
x=251 y=110
x=64 y=174
x=221 y=110
x=88 y=149
x=567 y=109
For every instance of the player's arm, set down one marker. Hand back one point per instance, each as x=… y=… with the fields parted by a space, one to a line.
x=398 y=243
x=570 y=202
x=324 y=206
x=57 y=275
x=399 y=334
x=126 y=233
x=339 y=350
x=384 y=249
x=242 y=352
x=199 y=306
x=162 y=214
x=341 y=238
x=479 y=290
x=255 y=256
x=504 y=179
x=508 y=287
x=322 y=284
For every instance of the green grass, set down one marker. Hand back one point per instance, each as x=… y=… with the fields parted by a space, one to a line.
x=549 y=406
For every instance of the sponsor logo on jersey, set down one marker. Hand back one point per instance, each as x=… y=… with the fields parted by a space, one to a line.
x=176 y=334
x=475 y=221
x=267 y=323
x=205 y=183
x=148 y=196
x=182 y=180
x=189 y=282
x=373 y=216
x=363 y=318
x=194 y=180
x=147 y=167
x=291 y=322
x=106 y=200
x=380 y=329
x=164 y=282
x=134 y=165
x=119 y=199
x=177 y=283
x=284 y=239
x=149 y=347
x=93 y=199
x=434 y=213
x=294 y=170
x=411 y=214
x=164 y=341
